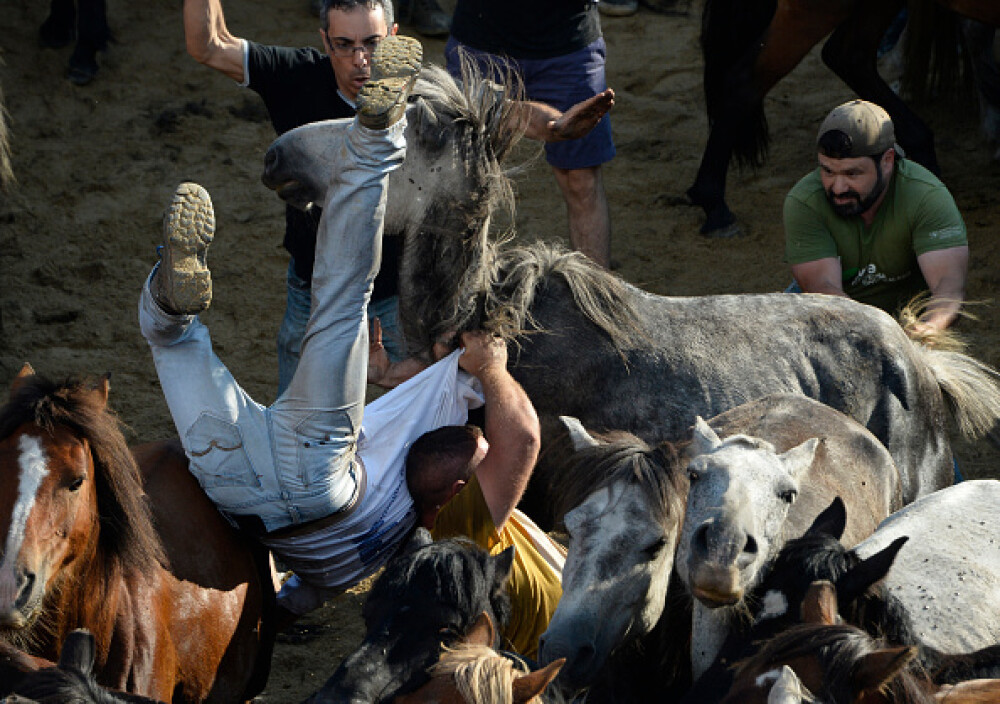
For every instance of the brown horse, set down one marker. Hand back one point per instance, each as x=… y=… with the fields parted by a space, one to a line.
x=841 y=664
x=175 y=598
x=750 y=45
x=471 y=672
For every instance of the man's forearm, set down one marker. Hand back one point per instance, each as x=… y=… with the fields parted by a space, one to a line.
x=944 y=306
x=207 y=39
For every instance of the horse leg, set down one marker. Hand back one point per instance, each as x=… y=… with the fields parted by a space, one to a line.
x=980 y=39
x=59 y=27
x=851 y=54
x=797 y=26
x=92 y=37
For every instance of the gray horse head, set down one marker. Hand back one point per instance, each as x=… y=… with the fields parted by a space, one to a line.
x=622 y=538
x=443 y=195
x=741 y=490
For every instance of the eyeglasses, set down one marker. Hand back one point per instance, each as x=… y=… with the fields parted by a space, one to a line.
x=345 y=49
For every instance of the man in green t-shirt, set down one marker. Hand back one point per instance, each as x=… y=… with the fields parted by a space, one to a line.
x=874 y=226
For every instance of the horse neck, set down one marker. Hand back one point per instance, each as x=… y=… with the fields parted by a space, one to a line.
x=447 y=262
x=95 y=596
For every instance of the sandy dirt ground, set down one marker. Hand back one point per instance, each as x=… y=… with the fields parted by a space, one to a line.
x=96 y=166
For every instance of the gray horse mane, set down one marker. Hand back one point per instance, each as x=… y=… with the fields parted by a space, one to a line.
x=522 y=271
x=621 y=456
x=455 y=276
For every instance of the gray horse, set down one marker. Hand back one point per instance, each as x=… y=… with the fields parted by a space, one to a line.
x=800 y=453
x=947 y=575
x=587 y=344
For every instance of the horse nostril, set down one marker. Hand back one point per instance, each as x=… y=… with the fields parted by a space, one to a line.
x=699 y=541
x=751 y=545
x=24 y=593
x=270 y=158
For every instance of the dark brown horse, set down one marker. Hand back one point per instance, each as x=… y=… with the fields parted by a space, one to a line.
x=837 y=663
x=750 y=45
x=173 y=596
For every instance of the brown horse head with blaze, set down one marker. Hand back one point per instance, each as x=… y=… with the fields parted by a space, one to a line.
x=72 y=509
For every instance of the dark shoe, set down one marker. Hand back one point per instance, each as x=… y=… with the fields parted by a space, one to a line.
x=82 y=67
x=183 y=283
x=395 y=65
x=618 y=8
x=427 y=17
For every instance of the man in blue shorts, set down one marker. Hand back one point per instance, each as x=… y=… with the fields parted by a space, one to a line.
x=558 y=50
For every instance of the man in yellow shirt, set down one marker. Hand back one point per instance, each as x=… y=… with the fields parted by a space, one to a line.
x=467 y=483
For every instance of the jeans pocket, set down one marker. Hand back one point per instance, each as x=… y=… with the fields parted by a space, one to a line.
x=322 y=438
x=218 y=456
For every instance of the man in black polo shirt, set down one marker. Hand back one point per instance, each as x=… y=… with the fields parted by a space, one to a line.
x=303 y=85
x=298 y=86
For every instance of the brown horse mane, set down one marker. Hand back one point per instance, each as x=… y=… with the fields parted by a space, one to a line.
x=838 y=647
x=619 y=456
x=128 y=542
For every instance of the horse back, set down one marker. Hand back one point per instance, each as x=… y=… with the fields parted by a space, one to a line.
x=850 y=462
x=222 y=579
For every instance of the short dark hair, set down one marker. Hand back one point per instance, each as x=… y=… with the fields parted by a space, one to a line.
x=437 y=459
x=347 y=5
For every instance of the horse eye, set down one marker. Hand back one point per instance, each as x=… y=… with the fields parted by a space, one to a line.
x=693 y=475
x=654 y=549
x=788 y=495
x=77 y=483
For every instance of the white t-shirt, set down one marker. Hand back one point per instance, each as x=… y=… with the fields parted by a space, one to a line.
x=328 y=561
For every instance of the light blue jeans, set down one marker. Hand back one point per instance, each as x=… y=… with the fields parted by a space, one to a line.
x=293 y=326
x=294 y=461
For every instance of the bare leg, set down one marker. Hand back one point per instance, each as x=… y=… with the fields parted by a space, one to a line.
x=587 y=208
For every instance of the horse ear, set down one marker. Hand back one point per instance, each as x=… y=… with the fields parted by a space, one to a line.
x=532 y=685
x=878 y=668
x=482 y=632
x=21 y=378
x=103 y=389
x=799 y=459
x=788 y=688
x=831 y=521
x=578 y=434
x=704 y=439
x=856 y=580
x=820 y=604
x=78 y=651
x=503 y=562
x=420 y=538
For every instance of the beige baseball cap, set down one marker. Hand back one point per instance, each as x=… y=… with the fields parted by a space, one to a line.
x=865 y=130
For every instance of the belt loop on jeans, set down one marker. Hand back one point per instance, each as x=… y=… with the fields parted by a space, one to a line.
x=308 y=527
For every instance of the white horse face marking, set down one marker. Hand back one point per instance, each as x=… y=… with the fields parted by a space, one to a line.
x=615 y=579
x=32 y=464
x=741 y=490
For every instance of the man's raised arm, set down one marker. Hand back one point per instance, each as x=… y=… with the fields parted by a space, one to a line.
x=512 y=429
x=208 y=41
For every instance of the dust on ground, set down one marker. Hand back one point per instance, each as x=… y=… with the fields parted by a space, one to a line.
x=96 y=166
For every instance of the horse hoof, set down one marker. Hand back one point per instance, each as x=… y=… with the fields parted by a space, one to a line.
x=728 y=231
x=81 y=75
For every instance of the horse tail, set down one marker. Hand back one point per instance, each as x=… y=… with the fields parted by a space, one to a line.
x=934 y=64
x=730 y=40
x=970 y=387
x=601 y=297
